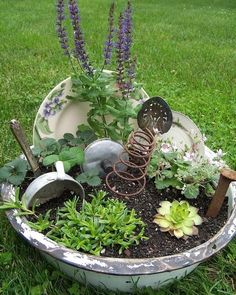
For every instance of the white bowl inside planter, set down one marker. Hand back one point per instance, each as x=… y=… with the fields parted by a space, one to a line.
x=124 y=273
x=58 y=115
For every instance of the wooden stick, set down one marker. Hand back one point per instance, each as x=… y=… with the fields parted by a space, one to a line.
x=21 y=139
x=226 y=177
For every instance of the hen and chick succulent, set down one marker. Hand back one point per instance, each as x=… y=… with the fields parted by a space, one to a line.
x=178 y=218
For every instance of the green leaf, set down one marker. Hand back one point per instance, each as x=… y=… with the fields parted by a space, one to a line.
x=82 y=178
x=85 y=79
x=168 y=173
x=5 y=172
x=47 y=146
x=16 y=179
x=8 y=205
x=66 y=155
x=67 y=166
x=20 y=165
x=14 y=172
x=49 y=160
x=68 y=136
x=209 y=190
x=94 y=181
x=164 y=183
x=191 y=191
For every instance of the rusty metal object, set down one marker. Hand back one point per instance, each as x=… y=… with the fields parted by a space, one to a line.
x=139 y=148
x=19 y=134
x=226 y=177
x=154 y=117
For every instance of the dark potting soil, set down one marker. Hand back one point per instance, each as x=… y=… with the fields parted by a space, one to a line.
x=145 y=205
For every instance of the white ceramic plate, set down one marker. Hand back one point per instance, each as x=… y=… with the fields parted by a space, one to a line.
x=57 y=115
x=185 y=133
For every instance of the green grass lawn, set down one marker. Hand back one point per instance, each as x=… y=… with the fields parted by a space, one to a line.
x=186 y=53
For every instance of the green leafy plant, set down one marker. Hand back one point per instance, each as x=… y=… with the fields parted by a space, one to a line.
x=46 y=147
x=18 y=204
x=84 y=136
x=178 y=218
x=91 y=177
x=70 y=156
x=179 y=169
x=43 y=222
x=97 y=225
x=108 y=93
x=14 y=172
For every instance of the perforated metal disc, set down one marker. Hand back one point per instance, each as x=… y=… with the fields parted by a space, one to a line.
x=155 y=115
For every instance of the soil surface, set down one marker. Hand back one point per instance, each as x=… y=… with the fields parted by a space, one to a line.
x=145 y=205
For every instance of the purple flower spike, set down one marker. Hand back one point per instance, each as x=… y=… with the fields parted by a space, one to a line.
x=79 y=51
x=109 y=43
x=131 y=75
x=127 y=29
x=120 y=54
x=125 y=65
x=61 y=31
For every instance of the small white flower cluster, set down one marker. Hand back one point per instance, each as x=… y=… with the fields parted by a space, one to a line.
x=189 y=157
x=217 y=160
x=191 y=154
x=168 y=148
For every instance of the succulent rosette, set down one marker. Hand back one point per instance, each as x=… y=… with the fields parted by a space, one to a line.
x=178 y=218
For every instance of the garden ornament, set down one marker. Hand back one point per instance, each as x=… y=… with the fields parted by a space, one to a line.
x=226 y=177
x=46 y=186
x=19 y=134
x=154 y=117
x=102 y=154
x=51 y=185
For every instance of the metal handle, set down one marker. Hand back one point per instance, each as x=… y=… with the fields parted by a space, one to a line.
x=21 y=139
x=60 y=170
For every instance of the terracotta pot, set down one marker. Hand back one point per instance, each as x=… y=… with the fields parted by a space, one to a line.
x=124 y=273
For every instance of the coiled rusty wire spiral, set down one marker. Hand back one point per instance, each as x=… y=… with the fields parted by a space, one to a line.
x=139 y=149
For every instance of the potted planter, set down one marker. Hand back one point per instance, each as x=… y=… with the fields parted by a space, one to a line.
x=91 y=97
x=124 y=273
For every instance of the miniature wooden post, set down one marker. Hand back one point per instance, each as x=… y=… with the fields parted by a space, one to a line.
x=19 y=134
x=226 y=177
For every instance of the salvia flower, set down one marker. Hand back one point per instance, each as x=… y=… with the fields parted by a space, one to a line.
x=61 y=31
x=120 y=54
x=131 y=71
x=80 y=52
x=125 y=65
x=127 y=29
x=109 y=43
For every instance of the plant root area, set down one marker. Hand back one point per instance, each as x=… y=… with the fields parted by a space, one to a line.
x=145 y=204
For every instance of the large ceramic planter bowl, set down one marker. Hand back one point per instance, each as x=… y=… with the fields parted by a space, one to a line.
x=124 y=273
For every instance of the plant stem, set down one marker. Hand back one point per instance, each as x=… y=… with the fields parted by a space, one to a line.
x=103 y=117
x=125 y=123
